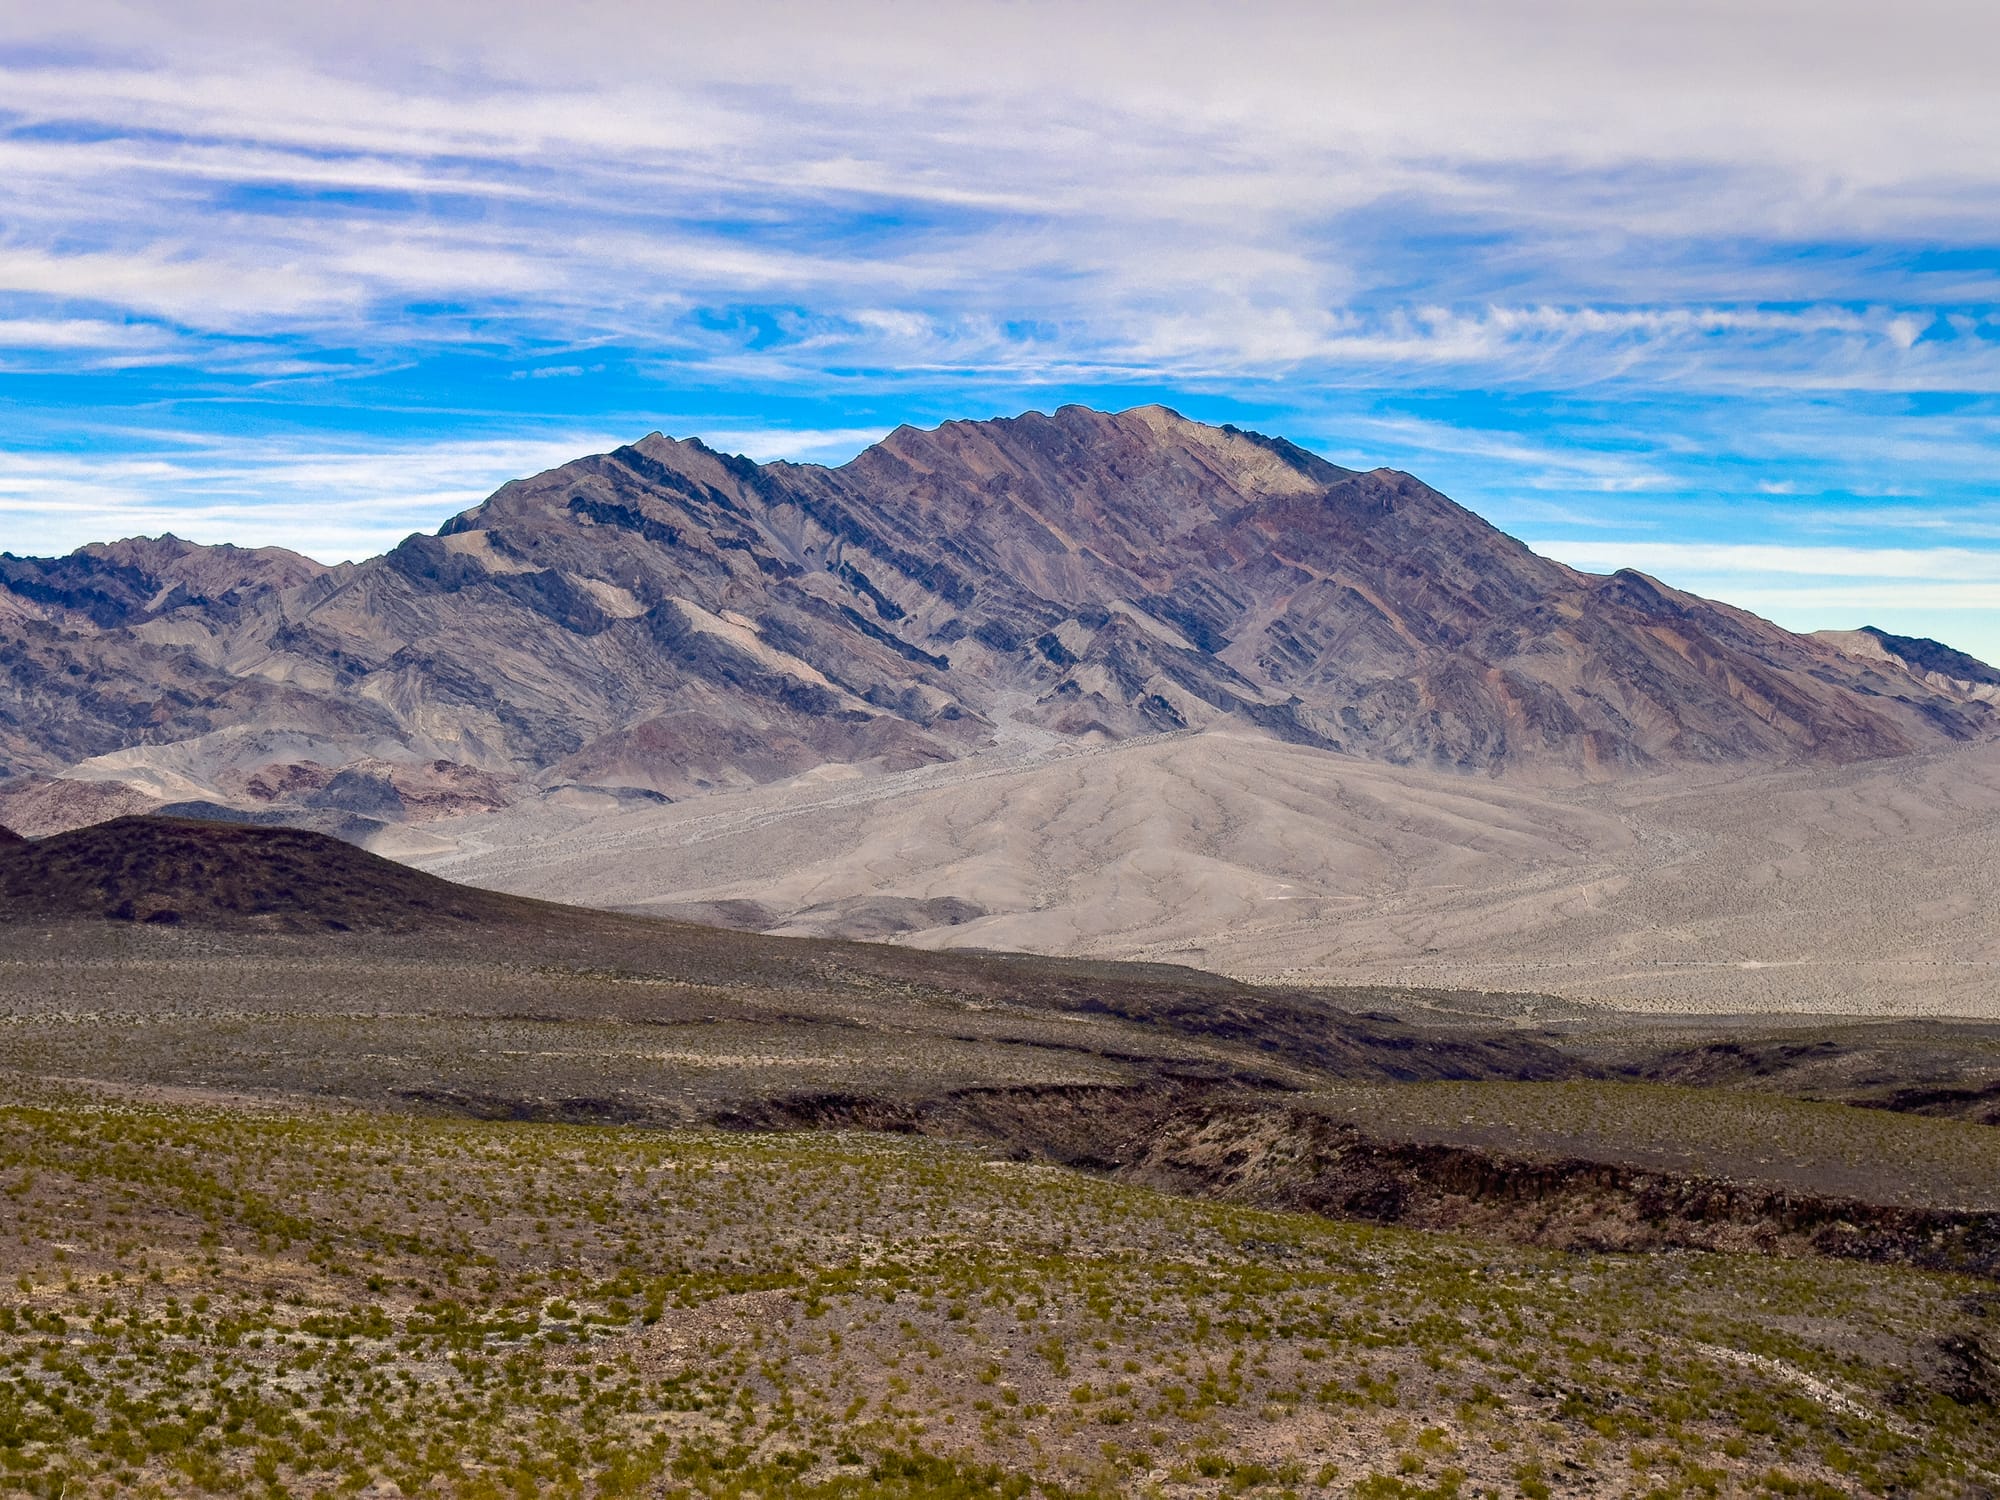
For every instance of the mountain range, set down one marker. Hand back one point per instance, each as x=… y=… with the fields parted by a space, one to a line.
x=665 y=621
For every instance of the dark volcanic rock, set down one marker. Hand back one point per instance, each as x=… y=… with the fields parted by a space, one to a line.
x=176 y=871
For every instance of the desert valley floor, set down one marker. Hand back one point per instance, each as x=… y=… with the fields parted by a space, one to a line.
x=1864 y=889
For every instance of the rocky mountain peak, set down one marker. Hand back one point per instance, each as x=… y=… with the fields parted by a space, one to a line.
x=667 y=619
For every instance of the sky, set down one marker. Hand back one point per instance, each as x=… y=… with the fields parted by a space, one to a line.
x=1710 y=290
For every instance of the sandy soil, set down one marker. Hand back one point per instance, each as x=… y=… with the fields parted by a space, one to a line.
x=1872 y=888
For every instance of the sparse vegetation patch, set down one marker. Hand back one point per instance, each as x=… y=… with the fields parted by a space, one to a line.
x=265 y=1301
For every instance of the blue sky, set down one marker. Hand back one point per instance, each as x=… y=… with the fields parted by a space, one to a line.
x=1710 y=290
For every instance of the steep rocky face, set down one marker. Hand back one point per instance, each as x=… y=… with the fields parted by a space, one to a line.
x=1167 y=571
x=120 y=644
x=141 y=579
x=669 y=618
x=1930 y=661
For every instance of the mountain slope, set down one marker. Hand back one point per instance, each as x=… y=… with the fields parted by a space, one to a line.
x=1865 y=888
x=123 y=644
x=1931 y=661
x=669 y=620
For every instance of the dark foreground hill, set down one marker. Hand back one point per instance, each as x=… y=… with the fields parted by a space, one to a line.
x=178 y=870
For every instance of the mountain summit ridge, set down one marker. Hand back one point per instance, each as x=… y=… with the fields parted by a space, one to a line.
x=667 y=619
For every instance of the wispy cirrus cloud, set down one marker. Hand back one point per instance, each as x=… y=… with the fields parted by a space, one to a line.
x=88 y=335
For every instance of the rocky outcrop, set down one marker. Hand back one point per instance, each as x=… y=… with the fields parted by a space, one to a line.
x=1930 y=662
x=1281 y=1156
x=1222 y=1137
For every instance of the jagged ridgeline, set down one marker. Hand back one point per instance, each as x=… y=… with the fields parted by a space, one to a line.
x=666 y=619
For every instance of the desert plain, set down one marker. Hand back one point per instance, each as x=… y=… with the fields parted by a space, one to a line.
x=1862 y=889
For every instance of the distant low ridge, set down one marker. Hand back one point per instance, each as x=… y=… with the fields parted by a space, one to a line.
x=1935 y=662
x=667 y=621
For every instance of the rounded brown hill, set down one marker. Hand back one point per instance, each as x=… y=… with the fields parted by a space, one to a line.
x=179 y=870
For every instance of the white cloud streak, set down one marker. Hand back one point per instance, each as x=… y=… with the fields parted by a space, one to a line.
x=1205 y=195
